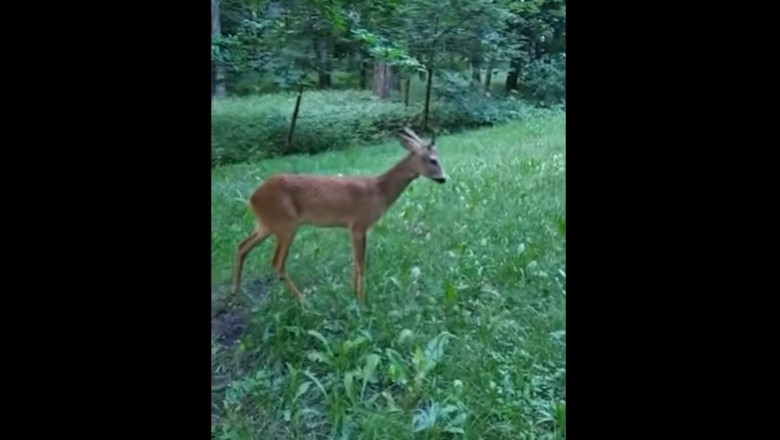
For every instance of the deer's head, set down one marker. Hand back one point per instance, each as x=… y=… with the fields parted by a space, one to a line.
x=425 y=158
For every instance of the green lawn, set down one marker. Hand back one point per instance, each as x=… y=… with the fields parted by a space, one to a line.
x=464 y=330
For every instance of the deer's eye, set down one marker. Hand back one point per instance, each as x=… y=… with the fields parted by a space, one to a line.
x=434 y=161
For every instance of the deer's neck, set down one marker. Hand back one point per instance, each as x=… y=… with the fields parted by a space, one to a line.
x=395 y=180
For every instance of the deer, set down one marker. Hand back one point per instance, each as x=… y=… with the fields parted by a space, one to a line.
x=284 y=202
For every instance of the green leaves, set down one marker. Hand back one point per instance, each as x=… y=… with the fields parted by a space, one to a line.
x=349 y=386
x=449 y=418
x=396 y=370
x=393 y=52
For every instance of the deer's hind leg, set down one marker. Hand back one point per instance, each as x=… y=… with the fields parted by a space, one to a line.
x=244 y=246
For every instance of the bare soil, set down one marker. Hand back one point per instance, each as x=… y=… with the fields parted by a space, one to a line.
x=229 y=321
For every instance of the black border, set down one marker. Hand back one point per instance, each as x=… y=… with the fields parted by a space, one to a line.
x=639 y=287
x=120 y=294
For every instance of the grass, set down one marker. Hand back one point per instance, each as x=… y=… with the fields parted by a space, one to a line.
x=464 y=332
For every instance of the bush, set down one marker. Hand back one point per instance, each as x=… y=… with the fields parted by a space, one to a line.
x=466 y=105
x=545 y=80
x=252 y=128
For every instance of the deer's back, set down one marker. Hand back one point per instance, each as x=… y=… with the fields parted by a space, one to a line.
x=318 y=200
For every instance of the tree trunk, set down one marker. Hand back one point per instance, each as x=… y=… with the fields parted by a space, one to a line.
x=323 y=56
x=428 y=87
x=395 y=79
x=407 y=86
x=218 y=89
x=488 y=75
x=476 y=74
x=324 y=77
x=363 y=78
x=288 y=147
x=512 y=76
x=365 y=63
x=382 y=76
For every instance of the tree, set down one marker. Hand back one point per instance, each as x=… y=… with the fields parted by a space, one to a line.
x=538 y=26
x=218 y=68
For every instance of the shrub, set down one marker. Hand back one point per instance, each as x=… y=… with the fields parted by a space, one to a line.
x=466 y=105
x=545 y=80
x=252 y=128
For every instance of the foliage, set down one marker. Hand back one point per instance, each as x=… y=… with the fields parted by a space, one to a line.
x=545 y=79
x=465 y=330
x=281 y=41
x=252 y=128
x=466 y=106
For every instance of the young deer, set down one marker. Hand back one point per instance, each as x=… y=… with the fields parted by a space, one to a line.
x=286 y=201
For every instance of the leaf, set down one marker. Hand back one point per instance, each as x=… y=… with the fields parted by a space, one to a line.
x=448 y=409
x=322 y=339
x=349 y=385
x=418 y=357
x=318 y=356
x=435 y=348
x=425 y=418
x=422 y=421
x=372 y=360
x=348 y=345
x=302 y=389
x=317 y=382
x=396 y=371
x=391 y=406
x=404 y=335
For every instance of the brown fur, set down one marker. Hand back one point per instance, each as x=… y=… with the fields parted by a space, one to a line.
x=285 y=202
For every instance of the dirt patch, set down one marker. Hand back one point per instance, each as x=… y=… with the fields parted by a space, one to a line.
x=229 y=320
x=228 y=326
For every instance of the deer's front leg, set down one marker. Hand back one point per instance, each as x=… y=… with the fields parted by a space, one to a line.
x=358 y=254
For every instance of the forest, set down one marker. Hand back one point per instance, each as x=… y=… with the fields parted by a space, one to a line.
x=434 y=65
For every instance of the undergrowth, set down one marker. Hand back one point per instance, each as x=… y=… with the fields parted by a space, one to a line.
x=464 y=332
x=256 y=127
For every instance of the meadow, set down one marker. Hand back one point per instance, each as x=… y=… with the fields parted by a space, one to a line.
x=463 y=334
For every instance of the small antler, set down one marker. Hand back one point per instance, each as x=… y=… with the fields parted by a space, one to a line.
x=409 y=139
x=408 y=132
